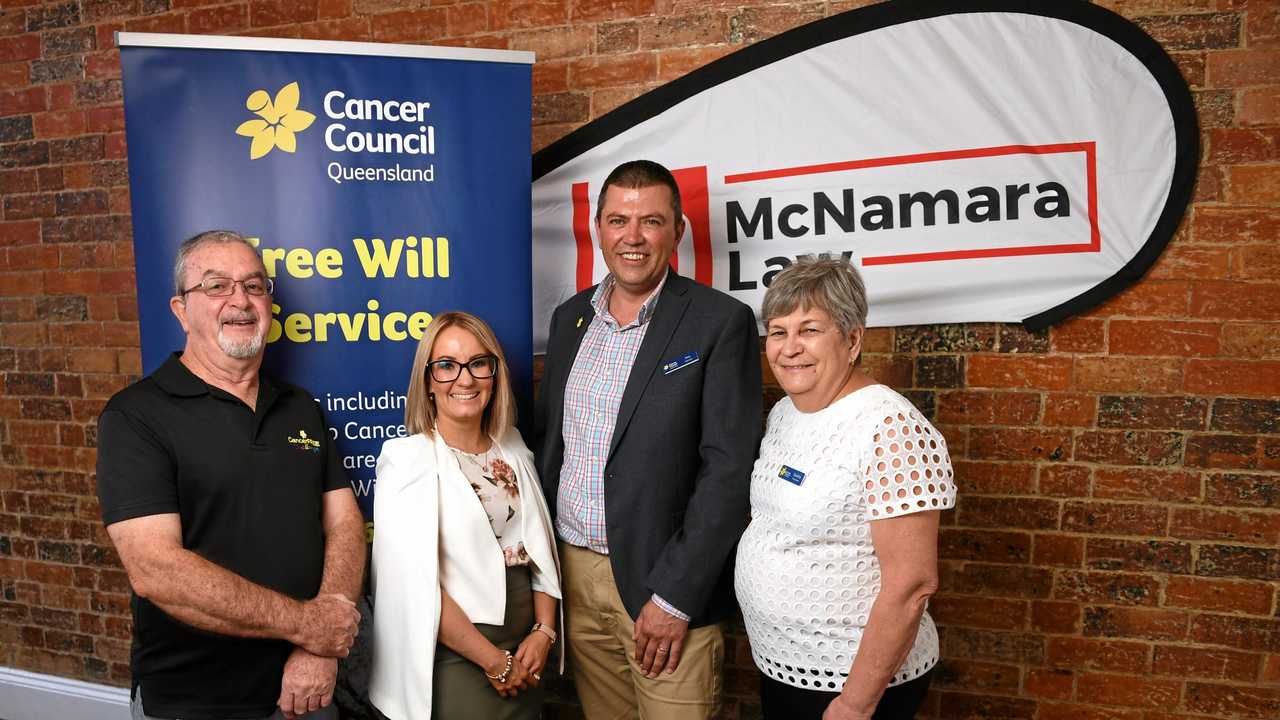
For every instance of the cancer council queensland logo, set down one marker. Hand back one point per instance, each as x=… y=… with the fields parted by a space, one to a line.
x=278 y=121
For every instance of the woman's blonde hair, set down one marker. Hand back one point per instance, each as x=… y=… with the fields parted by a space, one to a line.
x=420 y=408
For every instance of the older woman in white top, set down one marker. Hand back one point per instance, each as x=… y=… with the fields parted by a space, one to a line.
x=465 y=577
x=837 y=566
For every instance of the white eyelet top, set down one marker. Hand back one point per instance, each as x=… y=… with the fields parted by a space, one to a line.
x=807 y=572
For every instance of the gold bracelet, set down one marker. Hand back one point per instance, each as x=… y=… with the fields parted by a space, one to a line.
x=545 y=630
x=506 y=672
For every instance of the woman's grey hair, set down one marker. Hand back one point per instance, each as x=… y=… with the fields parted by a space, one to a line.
x=829 y=284
x=196 y=242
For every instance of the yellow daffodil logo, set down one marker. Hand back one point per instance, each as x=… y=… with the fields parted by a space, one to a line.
x=277 y=122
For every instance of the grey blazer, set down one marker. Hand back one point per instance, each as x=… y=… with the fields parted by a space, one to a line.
x=678 y=475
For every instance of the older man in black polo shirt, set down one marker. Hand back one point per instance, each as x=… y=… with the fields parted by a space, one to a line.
x=227 y=502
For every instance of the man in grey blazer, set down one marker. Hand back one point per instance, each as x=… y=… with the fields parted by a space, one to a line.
x=647 y=425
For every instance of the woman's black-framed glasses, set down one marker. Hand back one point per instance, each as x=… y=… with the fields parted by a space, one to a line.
x=481 y=367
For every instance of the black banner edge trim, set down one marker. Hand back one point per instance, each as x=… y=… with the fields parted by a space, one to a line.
x=1105 y=22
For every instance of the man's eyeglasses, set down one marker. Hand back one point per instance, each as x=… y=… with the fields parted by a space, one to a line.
x=224 y=286
x=481 y=367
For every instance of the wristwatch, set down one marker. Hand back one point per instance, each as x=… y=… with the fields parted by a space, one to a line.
x=544 y=629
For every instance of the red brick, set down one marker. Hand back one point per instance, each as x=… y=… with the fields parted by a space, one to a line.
x=1221 y=451
x=1079 y=653
x=1002 y=580
x=1108 y=588
x=1239 y=701
x=678 y=62
x=1130 y=447
x=1260 y=262
x=1041 y=373
x=20 y=102
x=61 y=123
x=1238 y=561
x=1147 y=555
x=1253 y=598
x=972 y=675
x=410 y=25
x=102 y=66
x=1079 y=335
x=997 y=512
x=1069 y=410
x=1149 y=298
x=1191 y=262
x=1242 y=490
x=986 y=545
x=1055 y=617
x=1233 y=377
x=1187 y=662
x=1146 y=484
x=506 y=14
x=994 y=478
x=682 y=31
x=1253 y=184
x=1164 y=338
x=222 y=18
x=1127 y=374
x=991 y=613
x=1058 y=550
x=1232 y=68
x=1237 y=525
x=1143 y=623
x=971 y=407
x=1271 y=670
x=19 y=48
x=1236 y=300
x=590 y=10
x=613 y=71
x=20 y=232
x=1063 y=481
x=1260 y=106
x=555 y=43
x=550 y=77
x=965 y=705
x=1142 y=411
x=1114 y=518
x=1127 y=690
x=1237 y=632
x=1050 y=684
x=1019 y=444
x=1262 y=25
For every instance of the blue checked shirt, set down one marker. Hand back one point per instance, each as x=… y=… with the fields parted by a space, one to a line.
x=592 y=396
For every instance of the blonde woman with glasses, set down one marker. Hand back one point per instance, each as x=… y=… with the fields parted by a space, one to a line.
x=465 y=575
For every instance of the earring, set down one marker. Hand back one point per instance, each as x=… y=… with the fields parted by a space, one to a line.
x=431 y=396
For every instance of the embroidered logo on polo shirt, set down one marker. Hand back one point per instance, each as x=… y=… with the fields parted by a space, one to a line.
x=302 y=442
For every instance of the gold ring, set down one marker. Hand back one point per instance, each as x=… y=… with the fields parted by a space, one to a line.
x=536 y=676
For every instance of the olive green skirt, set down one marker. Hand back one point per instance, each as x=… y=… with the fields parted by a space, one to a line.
x=460 y=691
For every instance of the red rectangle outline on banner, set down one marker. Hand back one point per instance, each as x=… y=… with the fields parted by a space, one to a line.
x=1088 y=148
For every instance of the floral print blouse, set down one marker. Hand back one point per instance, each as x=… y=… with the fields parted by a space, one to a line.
x=494 y=482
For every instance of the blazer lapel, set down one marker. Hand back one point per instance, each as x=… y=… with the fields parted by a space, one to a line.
x=672 y=304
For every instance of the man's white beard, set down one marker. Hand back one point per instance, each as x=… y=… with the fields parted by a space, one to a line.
x=242 y=350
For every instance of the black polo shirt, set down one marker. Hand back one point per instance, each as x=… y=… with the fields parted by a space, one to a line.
x=248 y=486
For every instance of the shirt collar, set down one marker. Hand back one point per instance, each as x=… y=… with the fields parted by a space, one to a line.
x=177 y=379
x=600 y=301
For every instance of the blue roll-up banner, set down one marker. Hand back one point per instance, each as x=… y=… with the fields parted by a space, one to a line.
x=385 y=184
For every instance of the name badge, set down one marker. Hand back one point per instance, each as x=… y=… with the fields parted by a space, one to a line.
x=791 y=475
x=684 y=360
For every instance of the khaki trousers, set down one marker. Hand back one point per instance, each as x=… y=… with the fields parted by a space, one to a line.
x=602 y=652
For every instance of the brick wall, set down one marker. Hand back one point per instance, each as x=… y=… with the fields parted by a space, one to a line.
x=1115 y=549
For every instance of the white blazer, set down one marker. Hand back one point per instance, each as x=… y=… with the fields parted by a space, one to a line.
x=431 y=531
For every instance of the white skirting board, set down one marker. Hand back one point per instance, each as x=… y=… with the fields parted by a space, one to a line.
x=33 y=696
